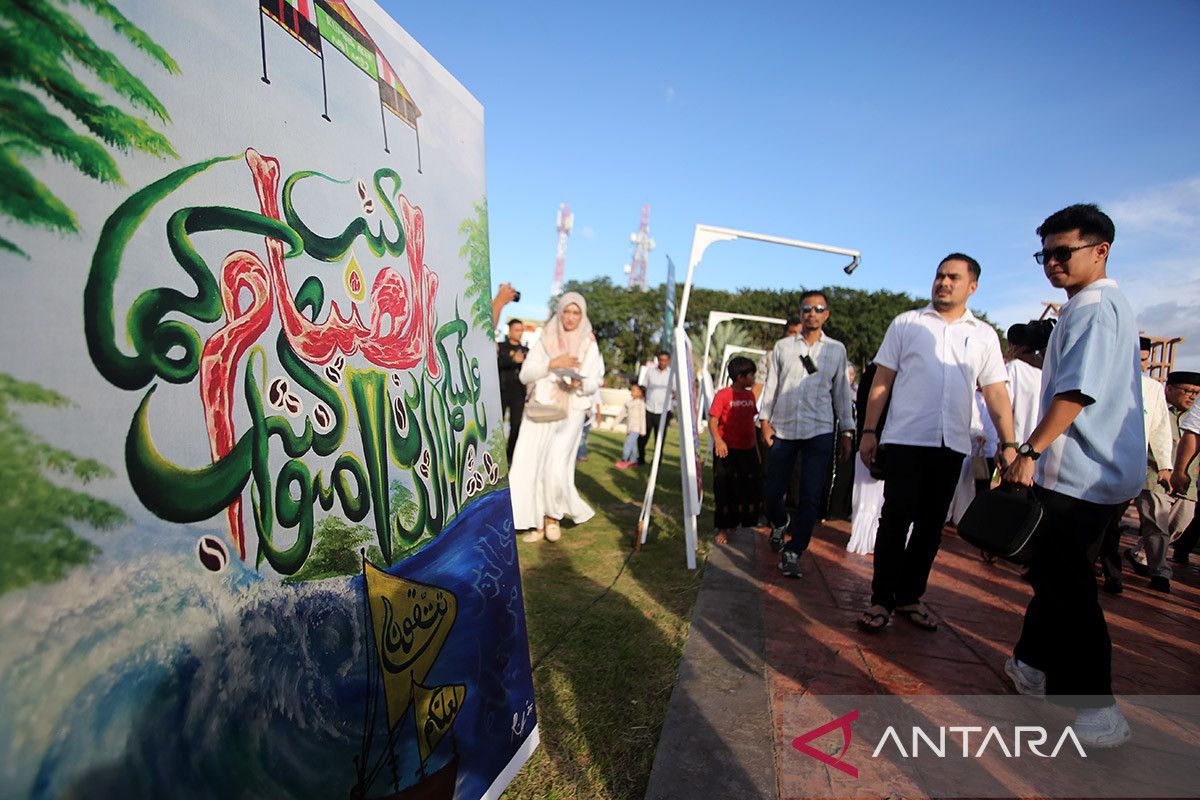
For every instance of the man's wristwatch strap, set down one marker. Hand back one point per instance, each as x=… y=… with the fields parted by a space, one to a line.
x=1028 y=451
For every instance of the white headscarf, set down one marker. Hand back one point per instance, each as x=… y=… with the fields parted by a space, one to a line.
x=559 y=341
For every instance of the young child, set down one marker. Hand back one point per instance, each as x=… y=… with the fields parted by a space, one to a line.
x=635 y=422
x=736 y=483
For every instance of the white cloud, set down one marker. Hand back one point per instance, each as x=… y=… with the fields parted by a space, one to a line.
x=670 y=95
x=1171 y=210
x=587 y=232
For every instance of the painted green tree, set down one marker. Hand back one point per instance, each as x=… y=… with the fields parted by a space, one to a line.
x=337 y=550
x=724 y=335
x=44 y=55
x=479 y=268
x=36 y=538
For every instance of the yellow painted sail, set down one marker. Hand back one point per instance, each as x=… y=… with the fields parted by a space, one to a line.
x=411 y=622
x=436 y=709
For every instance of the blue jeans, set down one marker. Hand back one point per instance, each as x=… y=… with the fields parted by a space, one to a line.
x=815 y=455
x=630 y=451
x=582 y=453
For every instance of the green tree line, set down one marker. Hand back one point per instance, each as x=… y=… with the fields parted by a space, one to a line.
x=629 y=322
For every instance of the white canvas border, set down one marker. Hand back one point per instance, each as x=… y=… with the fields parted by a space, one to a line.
x=514 y=765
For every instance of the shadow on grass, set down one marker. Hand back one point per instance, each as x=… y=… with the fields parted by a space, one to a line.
x=601 y=692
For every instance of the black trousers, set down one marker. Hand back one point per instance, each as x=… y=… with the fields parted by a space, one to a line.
x=737 y=487
x=917 y=491
x=840 y=487
x=1110 y=546
x=652 y=422
x=512 y=400
x=1065 y=634
x=1186 y=542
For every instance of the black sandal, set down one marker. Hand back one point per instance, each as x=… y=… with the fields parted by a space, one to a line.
x=919 y=616
x=873 y=621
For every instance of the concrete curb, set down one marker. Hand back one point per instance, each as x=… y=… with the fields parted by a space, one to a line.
x=716 y=741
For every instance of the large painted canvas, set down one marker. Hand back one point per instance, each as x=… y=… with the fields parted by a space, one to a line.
x=255 y=535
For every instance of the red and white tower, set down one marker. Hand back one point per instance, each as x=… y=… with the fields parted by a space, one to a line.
x=642 y=245
x=566 y=221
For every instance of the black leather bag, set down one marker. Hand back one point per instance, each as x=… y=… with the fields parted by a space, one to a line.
x=1002 y=522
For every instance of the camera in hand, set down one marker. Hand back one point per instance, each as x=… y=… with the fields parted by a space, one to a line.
x=809 y=366
x=516 y=296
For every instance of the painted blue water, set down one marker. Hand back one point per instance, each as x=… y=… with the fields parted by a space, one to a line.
x=157 y=679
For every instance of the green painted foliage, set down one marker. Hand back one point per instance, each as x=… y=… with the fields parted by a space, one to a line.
x=479 y=270
x=36 y=512
x=46 y=54
x=337 y=551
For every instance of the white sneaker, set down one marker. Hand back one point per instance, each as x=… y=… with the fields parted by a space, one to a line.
x=1102 y=727
x=535 y=535
x=553 y=531
x=1026 y=679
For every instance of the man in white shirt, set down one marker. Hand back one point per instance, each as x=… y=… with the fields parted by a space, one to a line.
x=1183 y=476
x=929 y=365
x=656 y=380
x=1085 y=459
x=1163 y=512
x=805 y=392
x=1026 y=343
x=1157 y=425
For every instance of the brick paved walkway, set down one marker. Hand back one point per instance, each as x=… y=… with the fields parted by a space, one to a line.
x=812 y=645
x=806 y=643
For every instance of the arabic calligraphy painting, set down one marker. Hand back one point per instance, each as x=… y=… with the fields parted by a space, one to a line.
x=259 y=540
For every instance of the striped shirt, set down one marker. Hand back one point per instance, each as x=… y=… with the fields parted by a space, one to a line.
x=799 y=405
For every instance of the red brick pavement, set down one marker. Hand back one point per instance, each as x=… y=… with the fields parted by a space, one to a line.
x=812 y=645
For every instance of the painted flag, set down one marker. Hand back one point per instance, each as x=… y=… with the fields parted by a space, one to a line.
x=341 y=28
x=411 y=622
x=435 y=710
x=393 y=94
x=297 y=17
x=669 y=308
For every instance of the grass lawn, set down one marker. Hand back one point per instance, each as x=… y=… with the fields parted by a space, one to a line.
x=602 y=694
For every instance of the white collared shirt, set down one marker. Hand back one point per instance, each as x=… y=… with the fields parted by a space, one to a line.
x=1157 y=423
x=1025 y=392
x=657 y=385
x=938 y=366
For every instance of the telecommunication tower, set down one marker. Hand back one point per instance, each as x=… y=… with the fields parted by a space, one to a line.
x=642 y=245
x=566 y=221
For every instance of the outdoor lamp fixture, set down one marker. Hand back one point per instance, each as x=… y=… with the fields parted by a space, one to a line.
x=853 y=265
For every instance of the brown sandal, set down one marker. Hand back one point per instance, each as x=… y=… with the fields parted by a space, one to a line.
x=918 y=616
x=874 y=619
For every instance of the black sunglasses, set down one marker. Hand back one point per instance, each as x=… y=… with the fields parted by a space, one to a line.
x=1061 y=254
x=818 y=309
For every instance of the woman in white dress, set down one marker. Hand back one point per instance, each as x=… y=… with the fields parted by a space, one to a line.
x=563 y=369
x=867 y=503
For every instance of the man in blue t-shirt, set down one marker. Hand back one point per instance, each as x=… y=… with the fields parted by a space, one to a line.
x=1085 y=459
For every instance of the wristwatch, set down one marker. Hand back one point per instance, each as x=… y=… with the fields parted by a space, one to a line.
x=1028 y=451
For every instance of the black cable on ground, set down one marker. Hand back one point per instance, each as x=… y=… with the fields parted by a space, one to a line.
x=574 y=624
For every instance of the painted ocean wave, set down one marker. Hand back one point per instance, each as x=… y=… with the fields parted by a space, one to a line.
x=156 y=678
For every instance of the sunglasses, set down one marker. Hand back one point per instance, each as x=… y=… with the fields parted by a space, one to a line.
x=1061 y=254
x=818 y=309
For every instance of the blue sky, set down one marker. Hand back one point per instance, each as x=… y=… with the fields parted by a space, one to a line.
x=904 y=130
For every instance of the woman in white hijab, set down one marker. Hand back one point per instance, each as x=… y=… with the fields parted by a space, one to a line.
x=563 y=370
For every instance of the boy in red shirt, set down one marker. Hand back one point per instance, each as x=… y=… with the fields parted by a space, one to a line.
x=736 y=483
